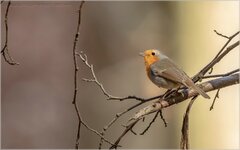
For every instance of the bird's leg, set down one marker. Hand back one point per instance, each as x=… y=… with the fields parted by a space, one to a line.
x=168 y=93
x=179 y=88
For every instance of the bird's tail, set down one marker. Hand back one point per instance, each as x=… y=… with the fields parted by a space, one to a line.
x=199 y=90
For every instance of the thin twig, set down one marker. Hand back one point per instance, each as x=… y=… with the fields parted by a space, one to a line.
x=226 y=44
x=210 y=70
x=153 y=120
x=163 y=119
x=99 y=134
x=133 y=132
x=221 y=75
x=220 y=34
x=118 y=115
x=79 y=126
x=217 y=58
x=74 y=102
x=184 y=144
x=5 y=51
x=128 y=128
x=216 y=96
x=83 y=57
x=80 y=121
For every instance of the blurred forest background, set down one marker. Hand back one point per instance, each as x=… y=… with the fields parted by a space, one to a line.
x=36 y=96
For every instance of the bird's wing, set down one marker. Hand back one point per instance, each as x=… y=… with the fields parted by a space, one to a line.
x=170 y=71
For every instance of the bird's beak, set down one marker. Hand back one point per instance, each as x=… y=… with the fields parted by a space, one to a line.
x=141 y=54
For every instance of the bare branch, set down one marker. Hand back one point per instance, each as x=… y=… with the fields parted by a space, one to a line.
x=180 y=97
x=76 y=68
x=133 y=132
x=163 y=119
x=220 y=34
x=216 y=96
x=226 y=44
x=98 y=134
x=74 y=102
x=153 y=120
x=79 y=126
x=187 y=93
x=217 y=58
x=81 y=122
x=118 y=115
x=221 y=75
x=128 y=128
x=83 y=57
x=5 y=51
x=184 y=144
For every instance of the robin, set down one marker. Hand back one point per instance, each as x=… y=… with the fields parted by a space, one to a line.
x=164 y=73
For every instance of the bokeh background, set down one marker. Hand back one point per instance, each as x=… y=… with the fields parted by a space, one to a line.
x=36 y=96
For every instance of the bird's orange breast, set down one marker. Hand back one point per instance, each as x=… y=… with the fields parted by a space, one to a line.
x=149 y=60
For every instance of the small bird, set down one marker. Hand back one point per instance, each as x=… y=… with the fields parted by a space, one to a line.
x=164 y=73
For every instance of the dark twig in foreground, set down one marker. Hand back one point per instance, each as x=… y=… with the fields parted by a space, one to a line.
x=5 y=51
x=216 y=96
x=74 y=102
x=184 y=144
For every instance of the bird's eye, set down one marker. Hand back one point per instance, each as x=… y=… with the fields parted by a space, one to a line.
x=153 y=53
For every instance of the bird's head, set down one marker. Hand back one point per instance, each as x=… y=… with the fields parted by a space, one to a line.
x=151 y=56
